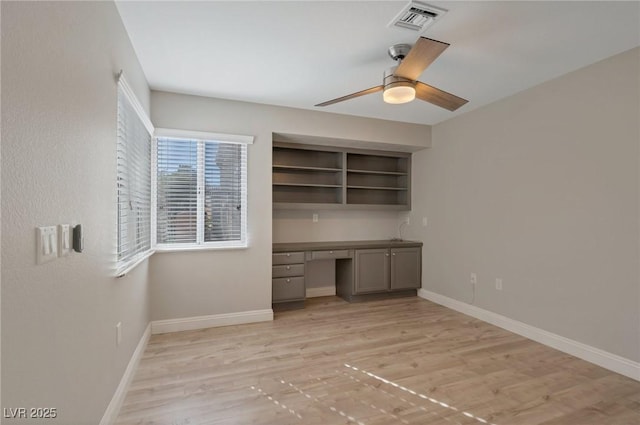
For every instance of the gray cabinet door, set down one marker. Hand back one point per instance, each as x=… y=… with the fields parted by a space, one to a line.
x=406 y=268
x=372 y=271
x=288 y=289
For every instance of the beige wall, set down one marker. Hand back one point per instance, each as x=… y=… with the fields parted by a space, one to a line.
x=297 y=226
x=186 y=284
x=59 y=63
x=541 y=190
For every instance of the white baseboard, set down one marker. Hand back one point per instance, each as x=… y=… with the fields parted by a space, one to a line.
x=586 y=352
x=325 y=291
x=212 y=321
x=111 y=414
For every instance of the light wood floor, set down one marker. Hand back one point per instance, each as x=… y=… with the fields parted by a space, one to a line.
x=404 y=361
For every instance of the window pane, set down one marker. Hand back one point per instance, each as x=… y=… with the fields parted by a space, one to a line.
x=223 y=191
x=201 y=192
x=177 y=196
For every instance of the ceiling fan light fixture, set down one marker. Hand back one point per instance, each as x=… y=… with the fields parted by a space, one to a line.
x=399 y=92
x=400 y=83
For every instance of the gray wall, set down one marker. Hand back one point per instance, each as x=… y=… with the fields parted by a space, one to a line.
x=186 y=284
x=541 y=190
x=59 y=62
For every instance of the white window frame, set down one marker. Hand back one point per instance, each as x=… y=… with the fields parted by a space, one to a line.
x=202 y=136
x=127 y=262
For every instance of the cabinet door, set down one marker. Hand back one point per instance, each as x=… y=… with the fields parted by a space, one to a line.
x=406 y=268
x=372 y=271
x=287 y=289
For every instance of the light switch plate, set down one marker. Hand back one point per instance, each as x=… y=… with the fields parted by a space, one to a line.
x=64 y=240
x=46 y=244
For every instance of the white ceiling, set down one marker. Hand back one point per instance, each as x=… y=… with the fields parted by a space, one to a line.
x=300 y=53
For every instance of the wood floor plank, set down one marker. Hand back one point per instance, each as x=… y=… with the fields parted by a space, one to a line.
x=403 y=361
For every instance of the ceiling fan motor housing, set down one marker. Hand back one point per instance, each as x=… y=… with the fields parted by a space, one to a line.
x=399 y=51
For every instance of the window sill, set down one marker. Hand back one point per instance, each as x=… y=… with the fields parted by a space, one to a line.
x=126 y=268
x=189 y=248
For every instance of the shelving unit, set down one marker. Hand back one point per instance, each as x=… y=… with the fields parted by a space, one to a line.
x=310 y=176
x=307 y=176
x=377 y=179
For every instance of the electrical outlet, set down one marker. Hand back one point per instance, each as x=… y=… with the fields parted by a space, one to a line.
x=118 y=333
x=474 y=279
x=499 y=284
x=315 y=218
x=408 y=220
x=424 y=221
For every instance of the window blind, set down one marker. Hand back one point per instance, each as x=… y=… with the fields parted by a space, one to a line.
x=133 y=180
x=177 y=192
x=224 y=166
x=201 y=193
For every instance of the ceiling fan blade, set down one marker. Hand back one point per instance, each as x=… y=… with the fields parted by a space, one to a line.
x=438 y=97
x=421 y=55
x=352 y=95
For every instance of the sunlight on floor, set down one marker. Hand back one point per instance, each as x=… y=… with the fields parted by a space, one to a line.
x=422 y=396
x=317 y=394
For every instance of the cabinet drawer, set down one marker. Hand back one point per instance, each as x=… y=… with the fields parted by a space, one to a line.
x=329 y=255
x=288 y=258
x=288 y=270
x=288 y=289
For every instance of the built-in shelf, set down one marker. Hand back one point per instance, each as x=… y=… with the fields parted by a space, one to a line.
x=307 y=185
x=383 y=164
x=377 y=197
x=383 y=173
x=297 y=167
x=376 y=188
x=306 y=158
x=310 y=176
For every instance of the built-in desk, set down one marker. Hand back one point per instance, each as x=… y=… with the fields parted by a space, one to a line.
x=363 y=269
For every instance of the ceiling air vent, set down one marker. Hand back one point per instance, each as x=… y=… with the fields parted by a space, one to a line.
x=417 y=16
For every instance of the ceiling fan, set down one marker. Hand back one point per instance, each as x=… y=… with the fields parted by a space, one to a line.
x=400 y=84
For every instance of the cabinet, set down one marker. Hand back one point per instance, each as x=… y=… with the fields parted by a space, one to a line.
x=405 y=269
x=325 y=177
x=371 y=271
x=287 y=275
x=388 y=269
x=364 y=270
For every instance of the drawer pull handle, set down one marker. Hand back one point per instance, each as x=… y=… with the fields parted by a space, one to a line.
x=288 y=280
x=393 y=253
x=288 y=267
x=330 y=252
x=288 y=255
x=386 y=255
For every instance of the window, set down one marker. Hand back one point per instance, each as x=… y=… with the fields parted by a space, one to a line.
x=201 y=192
x=133 y=180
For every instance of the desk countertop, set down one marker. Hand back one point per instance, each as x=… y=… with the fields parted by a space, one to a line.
x=316 y=246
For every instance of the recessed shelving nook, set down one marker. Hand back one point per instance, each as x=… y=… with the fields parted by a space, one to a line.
x=307 y=176
x=377 y=179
